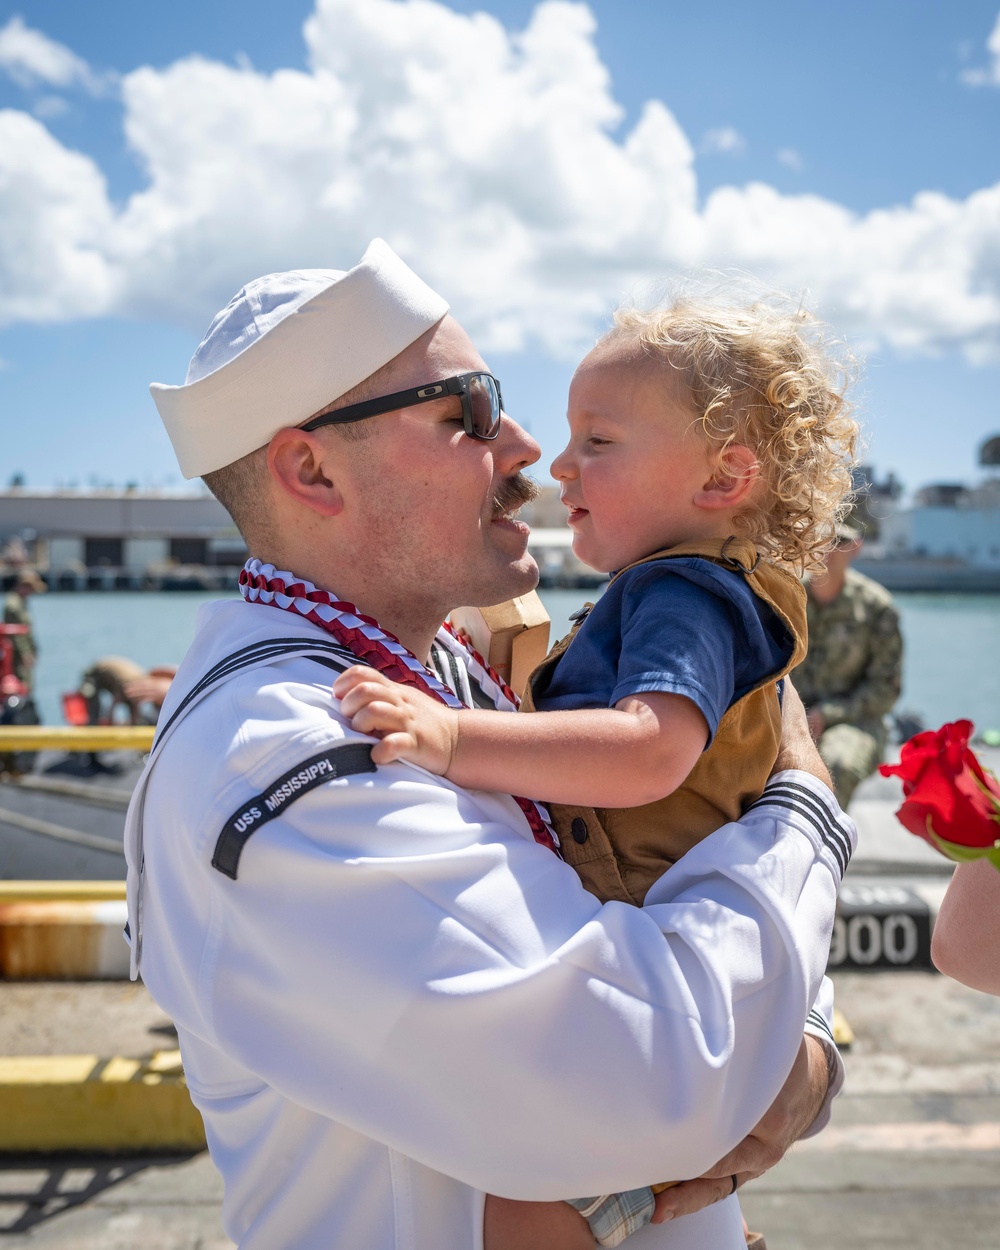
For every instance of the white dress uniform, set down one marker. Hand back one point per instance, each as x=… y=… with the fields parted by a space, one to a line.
x=391 y=1001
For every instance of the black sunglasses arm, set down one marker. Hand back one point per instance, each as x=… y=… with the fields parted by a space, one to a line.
x=389 y=403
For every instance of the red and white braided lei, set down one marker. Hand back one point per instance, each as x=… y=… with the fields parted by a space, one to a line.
x=370 y=644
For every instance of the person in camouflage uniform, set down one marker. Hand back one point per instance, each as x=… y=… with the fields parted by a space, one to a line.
x=15 y=612
x=850 y=677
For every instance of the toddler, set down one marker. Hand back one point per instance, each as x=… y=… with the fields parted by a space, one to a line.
x=708 y=462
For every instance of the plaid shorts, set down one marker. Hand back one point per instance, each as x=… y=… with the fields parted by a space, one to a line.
x=613 y=1217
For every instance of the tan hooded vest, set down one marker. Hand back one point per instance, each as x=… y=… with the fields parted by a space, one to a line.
x=619 y=852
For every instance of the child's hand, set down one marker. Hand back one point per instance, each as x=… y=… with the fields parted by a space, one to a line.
x=412 y=725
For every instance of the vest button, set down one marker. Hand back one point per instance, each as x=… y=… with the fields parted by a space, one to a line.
x=579 y=830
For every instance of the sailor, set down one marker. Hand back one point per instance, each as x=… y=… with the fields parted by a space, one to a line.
x=850 y=678
x=16 y=612
x=115 y=687
x=377 y=977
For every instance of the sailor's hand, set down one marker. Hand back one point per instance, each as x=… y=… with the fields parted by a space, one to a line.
x=411 y=725
x=797 y=748
x=785 y=1121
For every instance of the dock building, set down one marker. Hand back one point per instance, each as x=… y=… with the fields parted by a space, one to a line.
x=949 y=539
x=121 y=538
x=131 y=539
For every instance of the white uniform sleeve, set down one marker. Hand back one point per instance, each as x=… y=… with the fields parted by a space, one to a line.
x=395 y=955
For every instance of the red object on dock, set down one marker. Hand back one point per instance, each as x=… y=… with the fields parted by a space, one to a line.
x=9 y=684
x=75 y=709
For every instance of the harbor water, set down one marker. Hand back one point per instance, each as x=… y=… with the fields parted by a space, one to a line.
x=951 y=662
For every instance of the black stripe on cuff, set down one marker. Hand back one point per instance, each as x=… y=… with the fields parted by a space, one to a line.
x=817 y=1021
x=832 y=836
x=790 y=806
x=823 y=813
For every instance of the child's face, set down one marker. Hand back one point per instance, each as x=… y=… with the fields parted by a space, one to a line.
x=634 y=464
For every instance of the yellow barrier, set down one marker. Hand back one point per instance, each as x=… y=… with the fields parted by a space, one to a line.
x=61 y=891
x=83 y=1102
x=70 y=738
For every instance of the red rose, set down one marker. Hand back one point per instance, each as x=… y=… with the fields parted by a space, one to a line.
x=949 y=799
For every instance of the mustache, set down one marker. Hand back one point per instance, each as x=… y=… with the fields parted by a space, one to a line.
x=513 y=493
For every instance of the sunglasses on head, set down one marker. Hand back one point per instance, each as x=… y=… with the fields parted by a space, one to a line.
x=482 y=404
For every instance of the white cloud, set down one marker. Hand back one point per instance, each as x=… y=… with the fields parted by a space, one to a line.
x=727 y=140
x=50 y=106
x=989 y=75
x=510 y=187
x=55 y=226
x=789 y=157
x=33 y=59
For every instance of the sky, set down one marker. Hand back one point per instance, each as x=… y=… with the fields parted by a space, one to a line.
x=537 y=163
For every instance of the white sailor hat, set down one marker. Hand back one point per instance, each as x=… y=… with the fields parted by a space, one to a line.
x=286 y=346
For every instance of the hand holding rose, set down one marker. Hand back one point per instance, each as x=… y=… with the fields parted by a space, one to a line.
x=949 y=800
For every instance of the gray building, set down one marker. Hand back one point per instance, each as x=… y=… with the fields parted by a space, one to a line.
x=109 y=539
x=949 y=523
x=121 y=535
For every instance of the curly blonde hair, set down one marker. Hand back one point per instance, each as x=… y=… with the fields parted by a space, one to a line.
x=766 y=374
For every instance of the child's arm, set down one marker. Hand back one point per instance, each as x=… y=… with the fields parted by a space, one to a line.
x=966 y=940
x=634 y=753
x=512 y=1225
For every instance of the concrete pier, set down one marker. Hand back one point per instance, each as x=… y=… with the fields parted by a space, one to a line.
x=910 y=1161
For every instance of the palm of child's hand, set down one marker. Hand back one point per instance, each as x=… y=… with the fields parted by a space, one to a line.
x=409 y=724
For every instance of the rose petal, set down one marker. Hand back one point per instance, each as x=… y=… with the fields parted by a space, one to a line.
x=948 y=796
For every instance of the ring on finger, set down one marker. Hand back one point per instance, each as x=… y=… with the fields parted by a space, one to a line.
x=735 y=1185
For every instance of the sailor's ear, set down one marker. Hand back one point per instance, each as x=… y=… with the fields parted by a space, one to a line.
x=733 y=480
x=301 y=466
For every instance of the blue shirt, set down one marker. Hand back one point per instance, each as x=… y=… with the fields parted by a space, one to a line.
x=682 y=626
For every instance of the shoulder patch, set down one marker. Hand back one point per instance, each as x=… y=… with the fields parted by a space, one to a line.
x=337 y=761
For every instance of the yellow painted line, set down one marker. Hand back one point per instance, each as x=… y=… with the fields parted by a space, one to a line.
x=47 y=1069
x=61 y=891
x=85 y=1102
x=70 y=738
x=922 y=1135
